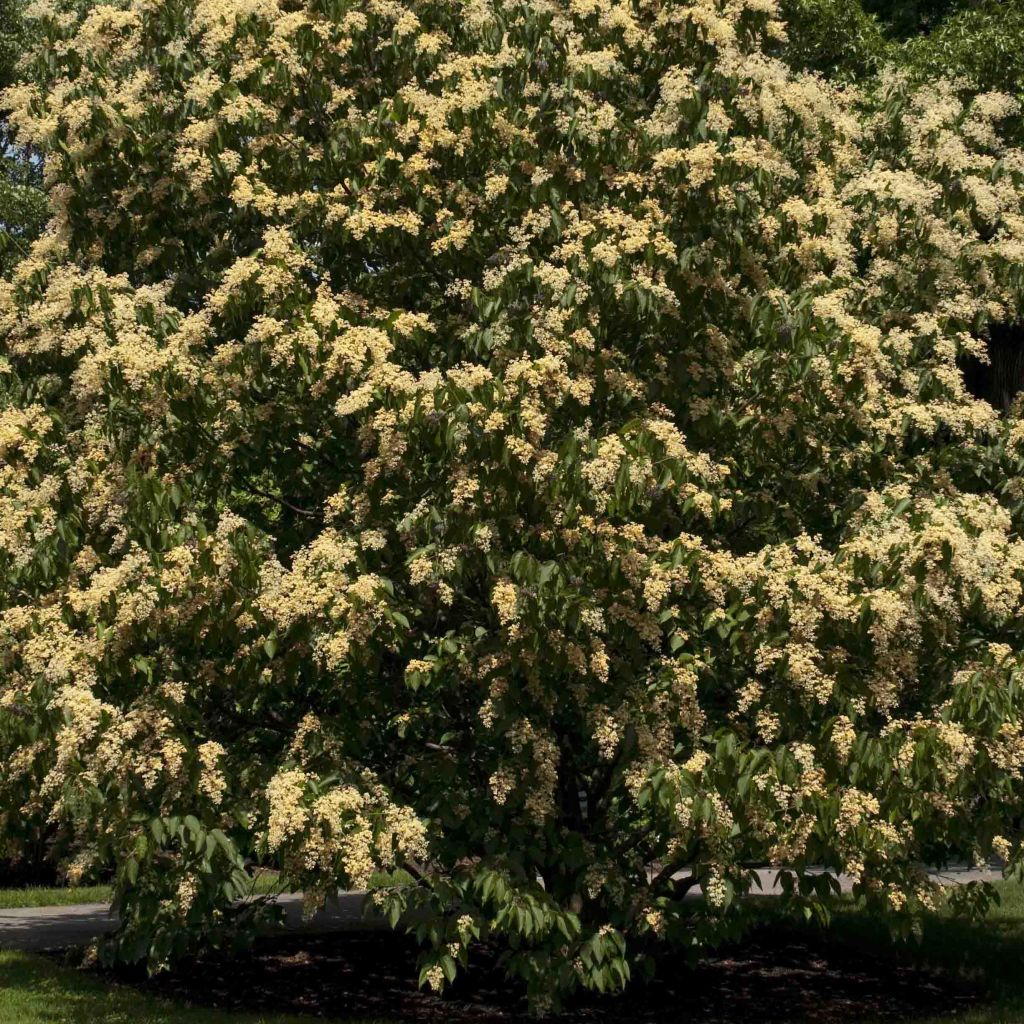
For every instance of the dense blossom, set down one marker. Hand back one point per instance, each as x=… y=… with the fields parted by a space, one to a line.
x=511 y=455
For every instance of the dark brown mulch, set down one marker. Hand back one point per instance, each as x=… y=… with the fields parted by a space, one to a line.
x=773 y=978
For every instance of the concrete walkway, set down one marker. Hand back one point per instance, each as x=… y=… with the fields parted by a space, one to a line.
x=35 y=929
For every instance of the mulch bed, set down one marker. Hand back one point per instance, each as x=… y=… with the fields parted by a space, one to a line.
x=774 y=977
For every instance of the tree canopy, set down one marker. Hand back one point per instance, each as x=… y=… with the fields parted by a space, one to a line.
x=511 y=455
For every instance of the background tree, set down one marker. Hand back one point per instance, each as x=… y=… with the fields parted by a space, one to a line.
x=510 y=456
x=980 y=41
x=835 y=37
x=983 y=42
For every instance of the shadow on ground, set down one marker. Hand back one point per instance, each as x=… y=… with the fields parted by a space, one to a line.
x=779 y=975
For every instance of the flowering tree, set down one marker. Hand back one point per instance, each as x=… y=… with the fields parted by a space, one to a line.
x=511 y=455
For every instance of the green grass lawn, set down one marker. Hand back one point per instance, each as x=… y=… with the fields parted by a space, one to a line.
x=44 y=896
x=990 y=952
x=65 y=896
x=34 y=990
